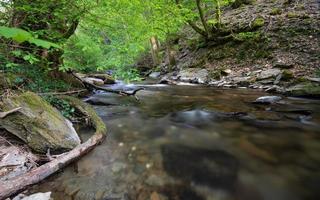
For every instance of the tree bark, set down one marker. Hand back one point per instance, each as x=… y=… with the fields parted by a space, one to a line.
x=202 y=18
x=20 y=183
x=154 y=50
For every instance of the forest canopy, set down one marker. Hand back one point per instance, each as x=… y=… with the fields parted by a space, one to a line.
x=96 y=35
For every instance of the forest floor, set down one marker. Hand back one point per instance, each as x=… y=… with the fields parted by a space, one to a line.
x=282 y=55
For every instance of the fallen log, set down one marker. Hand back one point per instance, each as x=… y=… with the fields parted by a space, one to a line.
x=91 y=86
x=20 y=183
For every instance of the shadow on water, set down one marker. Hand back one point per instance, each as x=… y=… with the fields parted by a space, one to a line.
x=214 y=168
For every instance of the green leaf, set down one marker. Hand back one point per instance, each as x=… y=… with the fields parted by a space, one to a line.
x=18 y=35
x=43 y=43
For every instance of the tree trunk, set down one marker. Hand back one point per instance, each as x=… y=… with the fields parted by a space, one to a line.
x=218 y=13
x=170 y=55
x=155 y=50
x=193 y=25
x=202 y=18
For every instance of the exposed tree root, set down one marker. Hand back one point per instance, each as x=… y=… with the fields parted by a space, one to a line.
x=13 y=186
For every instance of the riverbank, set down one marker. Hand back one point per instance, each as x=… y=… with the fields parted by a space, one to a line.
x=280 y=55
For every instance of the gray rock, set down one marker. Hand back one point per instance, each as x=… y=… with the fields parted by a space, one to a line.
x=269 y=73
x=194 y=75
x=39 y=196
x=95 y=81
x=277 y=81
x=15 y=162
x=155 y=75
x=317 y=80
x=275 y=88
x=267 y=100
x=282 y=64
x=38 y=124
x=242 y=81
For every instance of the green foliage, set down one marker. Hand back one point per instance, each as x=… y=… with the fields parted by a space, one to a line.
x=35 y=79
x=18 y=35
x=63 y=106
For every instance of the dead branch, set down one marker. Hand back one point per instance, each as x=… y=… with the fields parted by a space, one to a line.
x=13 y=186
x=4 y=114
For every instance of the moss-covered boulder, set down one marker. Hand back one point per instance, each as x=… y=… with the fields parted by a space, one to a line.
x=304 y=89
x=38 y=124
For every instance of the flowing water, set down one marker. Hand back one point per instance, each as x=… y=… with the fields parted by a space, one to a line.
x=197 y=143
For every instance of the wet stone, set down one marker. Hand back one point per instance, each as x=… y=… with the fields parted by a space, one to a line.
x=267 y=100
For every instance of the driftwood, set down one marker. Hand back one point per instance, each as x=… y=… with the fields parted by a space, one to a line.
x=20 y=183
x=91 y=86
x=4 y=114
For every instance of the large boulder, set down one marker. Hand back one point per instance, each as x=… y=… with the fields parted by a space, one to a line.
x=194 y=75
x=269 y=73
x=38 y=124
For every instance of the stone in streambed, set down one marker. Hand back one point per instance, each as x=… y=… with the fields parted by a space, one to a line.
x=267 y=100
x=38 y=124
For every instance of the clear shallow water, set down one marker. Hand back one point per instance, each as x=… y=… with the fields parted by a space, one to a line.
x=198 y=143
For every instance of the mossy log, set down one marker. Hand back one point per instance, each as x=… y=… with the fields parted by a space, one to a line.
x=13 y=186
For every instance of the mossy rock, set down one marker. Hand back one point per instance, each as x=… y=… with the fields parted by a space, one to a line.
x=276 y=11
x=292 y=15
x=258 y=22
x=306 y=89
x=287 y=75
x=38 y=124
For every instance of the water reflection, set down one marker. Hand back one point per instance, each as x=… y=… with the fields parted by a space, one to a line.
x=198 y=143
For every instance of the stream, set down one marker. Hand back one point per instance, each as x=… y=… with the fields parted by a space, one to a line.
x=197 y=143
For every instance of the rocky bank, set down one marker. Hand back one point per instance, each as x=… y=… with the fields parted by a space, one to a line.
x=280 y=55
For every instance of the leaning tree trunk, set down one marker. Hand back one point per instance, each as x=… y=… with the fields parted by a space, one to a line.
x=20 y=183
